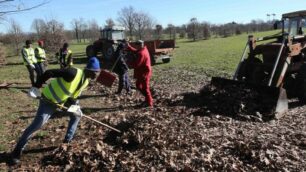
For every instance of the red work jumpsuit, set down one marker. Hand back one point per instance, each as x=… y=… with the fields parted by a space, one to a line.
x=142 y=72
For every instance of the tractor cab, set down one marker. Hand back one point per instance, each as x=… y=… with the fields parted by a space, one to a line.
x=294 y=23
x=113 y=33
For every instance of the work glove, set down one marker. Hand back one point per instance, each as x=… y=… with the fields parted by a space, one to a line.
x=34 y=93
x=71 y=101
x=32 y=66
x=76 y=110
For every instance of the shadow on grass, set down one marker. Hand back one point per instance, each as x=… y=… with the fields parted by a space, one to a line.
x=93 y=110
x=81 y=60
x=14 y=64
x=92 y=96
x=6 y=157
x=23 y=88
x=40 y=150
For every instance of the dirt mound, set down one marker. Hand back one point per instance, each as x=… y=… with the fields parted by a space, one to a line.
x=234 y=101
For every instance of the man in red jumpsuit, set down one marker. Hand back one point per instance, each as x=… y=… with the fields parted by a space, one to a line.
x=142 y=70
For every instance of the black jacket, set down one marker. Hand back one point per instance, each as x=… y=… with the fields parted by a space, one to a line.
x=121 y=66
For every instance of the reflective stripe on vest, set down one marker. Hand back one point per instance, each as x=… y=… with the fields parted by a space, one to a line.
x=30 y=55
x=59 y=90
x=41 y=55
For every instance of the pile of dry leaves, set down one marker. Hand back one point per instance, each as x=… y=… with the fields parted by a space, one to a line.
x=188 y=130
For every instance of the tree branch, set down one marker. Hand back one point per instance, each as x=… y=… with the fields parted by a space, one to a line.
x=21 y=10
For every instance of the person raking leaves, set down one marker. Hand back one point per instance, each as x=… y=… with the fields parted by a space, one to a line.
x=67 y=85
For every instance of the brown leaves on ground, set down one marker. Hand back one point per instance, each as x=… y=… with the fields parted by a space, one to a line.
x=176 y=136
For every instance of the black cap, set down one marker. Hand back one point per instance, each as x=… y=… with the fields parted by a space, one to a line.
x=28 y=42
x=66 y=45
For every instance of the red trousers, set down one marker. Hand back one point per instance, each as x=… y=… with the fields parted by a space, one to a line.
x=143 y=85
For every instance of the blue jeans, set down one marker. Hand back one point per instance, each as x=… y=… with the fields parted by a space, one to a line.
x=44 y=112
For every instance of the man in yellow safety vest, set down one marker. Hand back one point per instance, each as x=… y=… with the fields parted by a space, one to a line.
x=30 y=61
x=65 y=56
x=64 y=89
x=40 y=55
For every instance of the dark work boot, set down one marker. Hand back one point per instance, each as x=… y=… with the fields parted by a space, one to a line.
x=66 y=141
x=15 y=157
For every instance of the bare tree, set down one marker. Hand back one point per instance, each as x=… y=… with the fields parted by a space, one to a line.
x=12 y=6
x=171 y=31
x=93 y=30
x=110 y=22
x=159 y=30
x=127 y=19
x=53 y=35
x=83 y=29
x=143 y=22
x=16 y=35
x=38 y=26
x=76 y=27
x=193 y=28
x=206 y=30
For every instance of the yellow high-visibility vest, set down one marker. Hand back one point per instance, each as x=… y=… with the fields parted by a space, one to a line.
x=28 y=53
x=65 y=56
x=59 y=90
x=41 y=55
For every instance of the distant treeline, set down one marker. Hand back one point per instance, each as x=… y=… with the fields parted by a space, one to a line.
x=138 y=24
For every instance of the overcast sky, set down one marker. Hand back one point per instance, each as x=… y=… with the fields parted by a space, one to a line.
x=176 y=12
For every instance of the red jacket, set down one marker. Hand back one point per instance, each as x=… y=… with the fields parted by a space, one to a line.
x=142 y=65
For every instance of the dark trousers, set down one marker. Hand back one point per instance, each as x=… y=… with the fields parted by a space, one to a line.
x=41 y=66
x=32 y=74
x=143 y=85
x=124 y=83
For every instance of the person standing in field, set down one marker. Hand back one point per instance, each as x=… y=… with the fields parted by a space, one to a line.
x=30 y=61
x=40 y=55
x=65 y=56
x=142 y=71
x=121 y=69
x=65 y=88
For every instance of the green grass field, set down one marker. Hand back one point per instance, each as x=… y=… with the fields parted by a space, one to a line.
x=217 y=55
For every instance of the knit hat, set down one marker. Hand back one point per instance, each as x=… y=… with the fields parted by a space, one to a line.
x=93 y=64
x=40 y=42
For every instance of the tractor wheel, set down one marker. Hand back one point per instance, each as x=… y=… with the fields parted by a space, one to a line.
x=108 y=51
x=153 y=60
x=166 y=60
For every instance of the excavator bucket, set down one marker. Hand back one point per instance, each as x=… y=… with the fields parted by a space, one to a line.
x=272 y=97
